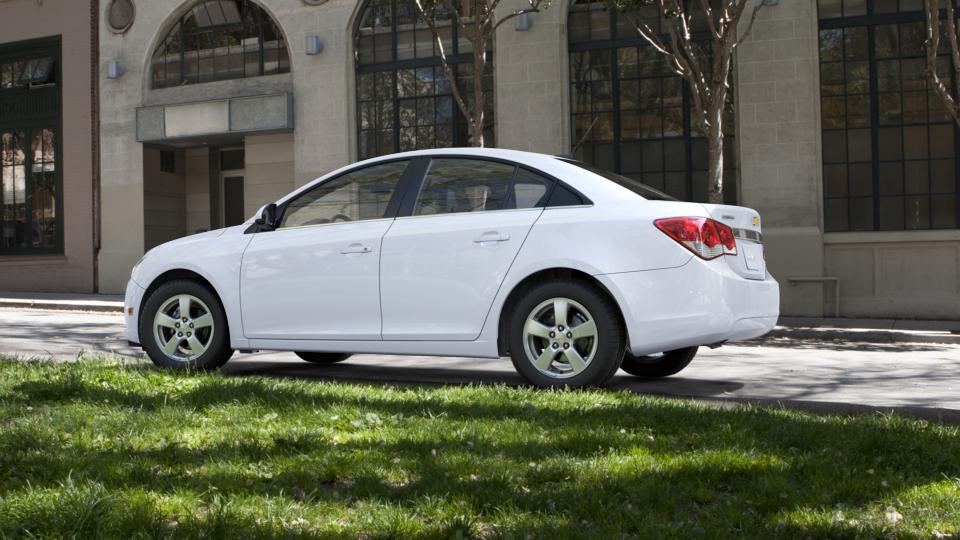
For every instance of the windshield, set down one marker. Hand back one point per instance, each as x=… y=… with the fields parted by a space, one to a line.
x=635 y=186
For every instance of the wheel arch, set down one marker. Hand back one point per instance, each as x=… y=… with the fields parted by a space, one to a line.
x=185 y=274
x=547 y=274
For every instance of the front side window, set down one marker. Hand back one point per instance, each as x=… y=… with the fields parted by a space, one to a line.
x=889 y=145
x=404 y=99
x=30 y=187
x=218 y=40
x=355 y=196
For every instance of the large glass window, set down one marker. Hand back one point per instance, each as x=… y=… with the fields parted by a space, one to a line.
x=355 y=196
x=889 y=145
x=630 y=113
x=404 y=99
x=218 y=40
x=30 y=184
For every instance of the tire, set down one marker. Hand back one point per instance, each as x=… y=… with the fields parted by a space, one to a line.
x=323 y=358
x=670 y=363
x=210 y=335
x=601 y=350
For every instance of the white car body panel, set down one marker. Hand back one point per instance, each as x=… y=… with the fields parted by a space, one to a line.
x=430 y=260
x=326 y=275
x=669 y=298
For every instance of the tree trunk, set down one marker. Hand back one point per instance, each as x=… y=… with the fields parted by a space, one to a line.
x=715 y=153
x=479 y=99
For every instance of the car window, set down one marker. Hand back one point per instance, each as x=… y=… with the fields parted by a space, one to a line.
x=455 y=185
x=564 y=196
x=529 y=190
x=354 y=196
x=635 y=186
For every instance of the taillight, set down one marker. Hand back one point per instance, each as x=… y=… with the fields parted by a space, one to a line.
x=706 y=238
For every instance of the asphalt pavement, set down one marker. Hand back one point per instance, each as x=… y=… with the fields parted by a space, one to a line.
x=806 y=372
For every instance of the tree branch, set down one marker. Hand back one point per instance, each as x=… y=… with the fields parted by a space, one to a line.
x=451 y=77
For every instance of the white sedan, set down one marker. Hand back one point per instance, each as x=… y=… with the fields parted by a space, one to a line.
x=570 y=271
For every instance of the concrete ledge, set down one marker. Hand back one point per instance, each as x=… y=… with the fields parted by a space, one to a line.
x=104 y=303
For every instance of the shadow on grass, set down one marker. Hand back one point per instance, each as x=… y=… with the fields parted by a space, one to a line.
x=573 y=464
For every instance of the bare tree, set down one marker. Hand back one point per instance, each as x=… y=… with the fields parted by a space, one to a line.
x=704 y=64
x=477 y=22
x=932 y=44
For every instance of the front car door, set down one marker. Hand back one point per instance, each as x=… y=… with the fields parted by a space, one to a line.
x=443 y=262
x=317 y=275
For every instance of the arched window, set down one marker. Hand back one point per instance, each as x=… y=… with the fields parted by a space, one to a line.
x=404 y=100
x=630 y=114
x=218 y=40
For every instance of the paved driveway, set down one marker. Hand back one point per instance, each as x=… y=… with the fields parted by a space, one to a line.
x=831 y=376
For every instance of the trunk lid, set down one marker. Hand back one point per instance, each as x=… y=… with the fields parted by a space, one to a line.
x=745 y=223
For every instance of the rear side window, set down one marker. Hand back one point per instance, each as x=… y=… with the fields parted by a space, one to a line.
x=457 y=185
x=529 y=190
x=564 y=196
x=635 y=186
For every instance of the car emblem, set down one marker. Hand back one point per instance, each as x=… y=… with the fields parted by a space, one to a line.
x=756 y=221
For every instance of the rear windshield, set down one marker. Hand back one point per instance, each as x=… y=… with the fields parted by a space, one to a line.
x=635 y=186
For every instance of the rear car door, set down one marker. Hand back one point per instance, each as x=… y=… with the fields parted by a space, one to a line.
x=317 y=275
x=445 y=257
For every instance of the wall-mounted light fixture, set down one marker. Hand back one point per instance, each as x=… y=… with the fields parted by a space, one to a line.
x=524 y=22
x=114 y=69
x=314 y=46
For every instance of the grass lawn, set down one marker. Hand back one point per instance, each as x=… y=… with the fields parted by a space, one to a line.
x=103 y=449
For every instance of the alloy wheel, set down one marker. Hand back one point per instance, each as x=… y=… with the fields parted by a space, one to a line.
x=183 y=327
x=560 y=338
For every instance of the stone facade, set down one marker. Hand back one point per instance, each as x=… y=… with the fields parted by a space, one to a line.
x=74 y=22
x=778 y=146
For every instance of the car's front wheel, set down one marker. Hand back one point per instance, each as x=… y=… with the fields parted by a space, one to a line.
x=566 y=333
x=183 y=326
x=661 y=365
x=323 y=358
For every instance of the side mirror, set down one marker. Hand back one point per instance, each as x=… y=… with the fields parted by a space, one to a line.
x=268 y=218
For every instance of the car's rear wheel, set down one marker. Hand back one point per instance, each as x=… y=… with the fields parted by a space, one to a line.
x=183 y=326
x=323 y=358
x=660 y=365
x=566 y=333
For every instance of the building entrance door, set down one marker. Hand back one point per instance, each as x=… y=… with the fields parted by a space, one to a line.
x=233 y=199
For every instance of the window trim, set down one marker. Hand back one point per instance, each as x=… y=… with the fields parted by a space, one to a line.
x=413 y=190
x=51 y=46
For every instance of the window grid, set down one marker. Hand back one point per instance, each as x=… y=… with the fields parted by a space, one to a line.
x=888 y=143
x=404 y=100
x=630 y=114
x=220 y=40
x=31 y=206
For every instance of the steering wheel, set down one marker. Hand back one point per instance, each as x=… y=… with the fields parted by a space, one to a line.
x=340 y=217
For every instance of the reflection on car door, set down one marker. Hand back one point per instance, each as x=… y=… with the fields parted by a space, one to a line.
x=442 y=265
x=317 y=275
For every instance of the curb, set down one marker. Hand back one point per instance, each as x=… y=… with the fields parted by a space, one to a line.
x=100 y=307
x=862 y=336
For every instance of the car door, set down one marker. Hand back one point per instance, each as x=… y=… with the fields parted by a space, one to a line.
x=446 y=255
x=316 y=276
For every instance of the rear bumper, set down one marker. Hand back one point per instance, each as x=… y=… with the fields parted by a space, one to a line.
x=132 y=300
x=699 y=303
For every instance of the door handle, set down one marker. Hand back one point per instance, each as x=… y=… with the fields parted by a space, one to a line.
x=491 y=236
x=355 y=248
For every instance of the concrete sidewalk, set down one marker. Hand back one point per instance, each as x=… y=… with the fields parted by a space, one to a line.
x=792 y=328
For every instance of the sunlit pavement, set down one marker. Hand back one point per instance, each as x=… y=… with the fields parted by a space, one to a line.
x=832 y=376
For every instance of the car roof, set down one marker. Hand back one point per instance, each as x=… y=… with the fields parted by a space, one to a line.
x=595 y=187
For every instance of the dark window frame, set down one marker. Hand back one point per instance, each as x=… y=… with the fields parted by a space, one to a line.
x=871 y=21
x=391 y=68
x=688 y=136
x=24 y=50
x=179 y=33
